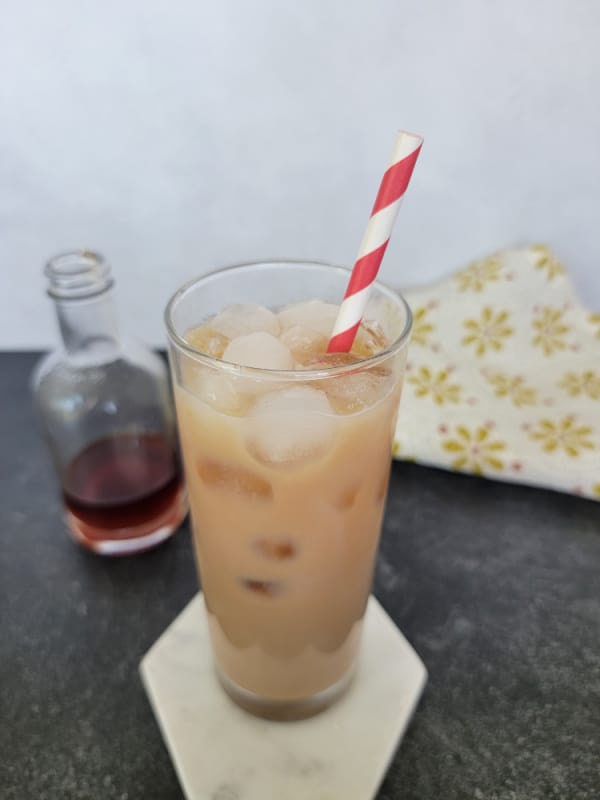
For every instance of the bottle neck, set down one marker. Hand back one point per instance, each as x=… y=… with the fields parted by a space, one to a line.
x=80 y=284
x=88 y=325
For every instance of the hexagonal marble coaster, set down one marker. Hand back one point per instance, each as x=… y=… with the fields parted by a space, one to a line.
x=222 y=753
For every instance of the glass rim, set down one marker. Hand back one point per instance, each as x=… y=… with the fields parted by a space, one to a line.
x=283 y=374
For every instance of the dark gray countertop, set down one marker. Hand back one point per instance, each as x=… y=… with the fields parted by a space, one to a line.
x=496 y=586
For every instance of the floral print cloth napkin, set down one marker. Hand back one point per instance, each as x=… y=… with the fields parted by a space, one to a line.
x=503 y=375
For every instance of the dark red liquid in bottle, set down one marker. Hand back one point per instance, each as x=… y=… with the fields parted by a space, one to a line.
x=124 y=493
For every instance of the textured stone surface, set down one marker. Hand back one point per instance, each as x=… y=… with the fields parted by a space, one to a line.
x=341 y=753
x=497 y=587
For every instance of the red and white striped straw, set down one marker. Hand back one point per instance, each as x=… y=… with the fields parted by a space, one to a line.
x=375 y=241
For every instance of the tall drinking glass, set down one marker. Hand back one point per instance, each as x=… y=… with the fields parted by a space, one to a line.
x=287 y=474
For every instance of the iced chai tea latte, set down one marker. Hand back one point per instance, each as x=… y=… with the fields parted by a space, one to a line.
x=287 y=452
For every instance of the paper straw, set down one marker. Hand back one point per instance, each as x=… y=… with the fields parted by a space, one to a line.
x=375 y=240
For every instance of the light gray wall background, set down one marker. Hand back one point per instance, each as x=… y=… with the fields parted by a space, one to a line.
x=179 y=136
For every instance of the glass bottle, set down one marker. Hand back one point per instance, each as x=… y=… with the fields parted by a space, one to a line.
x=106 y=412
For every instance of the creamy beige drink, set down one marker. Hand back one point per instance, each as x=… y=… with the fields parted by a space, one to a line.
x=287 y=464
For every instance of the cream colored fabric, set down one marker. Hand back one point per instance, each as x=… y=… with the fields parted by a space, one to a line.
x=503 y=375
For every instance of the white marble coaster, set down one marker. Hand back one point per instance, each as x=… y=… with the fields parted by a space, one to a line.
x=222 y=753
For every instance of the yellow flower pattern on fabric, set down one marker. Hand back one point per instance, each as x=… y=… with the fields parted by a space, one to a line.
x=503 y=374
x=563 y=435
x=477 y=275
x=513 y=387
x=474 y=450
x=488 y=332
x=422 y=327
x=550 y=330
x=399 y=452
x=547 y=262
x=578 y=383
x=436 y=385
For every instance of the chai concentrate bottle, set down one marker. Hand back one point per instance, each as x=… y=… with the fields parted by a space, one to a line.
x=105 y=408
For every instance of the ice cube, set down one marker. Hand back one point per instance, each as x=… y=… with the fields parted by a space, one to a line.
x=358 y=390
x=225 y=393
x=354 y=390
x=207 y=340
x=314 y=314
x=259 y=349
x=345 y=500
x=263 y=588
x=290 y=427
x=242 y=318
x=275 y=549
x=370 y=339
x=303 y=342
x=238 y=480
